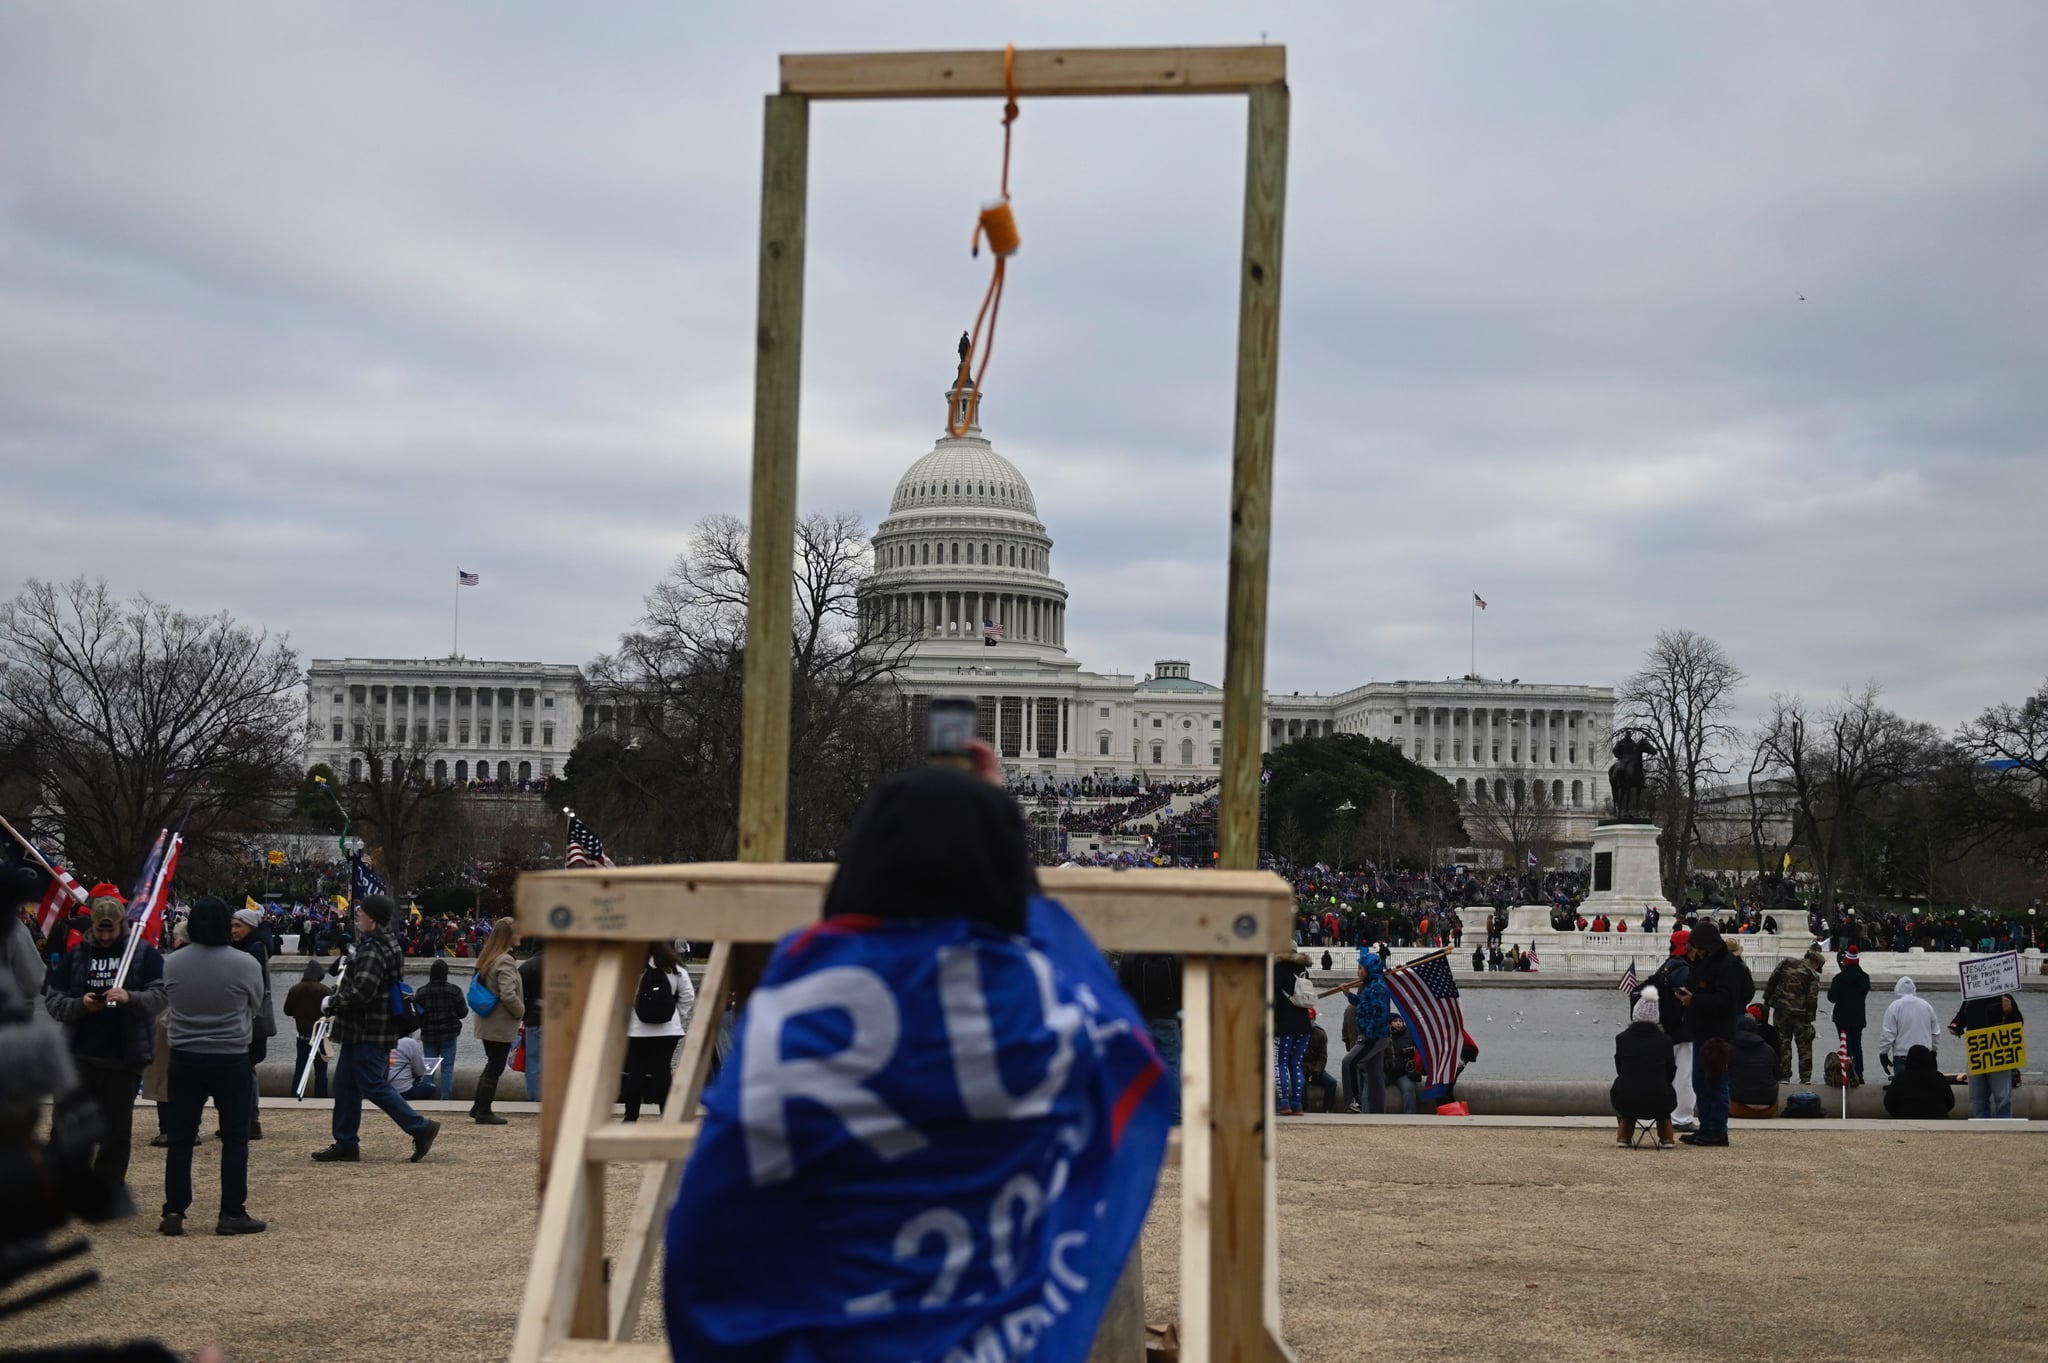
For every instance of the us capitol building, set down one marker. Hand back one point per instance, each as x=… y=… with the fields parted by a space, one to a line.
x=962 y=557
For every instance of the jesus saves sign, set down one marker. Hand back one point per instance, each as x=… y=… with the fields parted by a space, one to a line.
x=932 y=1143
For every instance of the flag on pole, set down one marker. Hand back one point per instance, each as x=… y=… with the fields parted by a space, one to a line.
x=1427 y=997
x=585 y=847
x=63 y=891
x=990 y=631
x=153 y=888
x=1628 y=978
x=249 y=902
x=363 y=879
x=463 y=579
x=1479 y=600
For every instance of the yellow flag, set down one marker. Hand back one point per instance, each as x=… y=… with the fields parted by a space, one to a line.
x=341 y=902
x=415 y=912
x=1788 y=860
x=249 y=902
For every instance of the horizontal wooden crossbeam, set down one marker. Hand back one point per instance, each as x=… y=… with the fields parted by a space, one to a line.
x=1039 y=72
x=1206 y=913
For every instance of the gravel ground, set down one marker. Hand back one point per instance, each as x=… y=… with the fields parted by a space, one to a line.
x=1397 y=1242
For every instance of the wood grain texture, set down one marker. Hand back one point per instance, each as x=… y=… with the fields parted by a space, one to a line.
x=565 y=1286
x=1240 y=913
x=1040 y=72
x=1241 y=1104
x=1251 y=476
x=771 y=551
x=566 y=980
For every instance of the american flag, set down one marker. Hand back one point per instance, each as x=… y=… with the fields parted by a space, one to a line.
x=1479 y=600
x=153 y=887
x=466 y=579
x=585 y=847
x=1428 y=999
x=63 y=891
x=990 y=631
x=1628 y=978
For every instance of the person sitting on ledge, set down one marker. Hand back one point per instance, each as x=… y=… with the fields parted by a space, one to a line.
x=1753 y=1072
x=1919 y=1091
x=1645 y=1068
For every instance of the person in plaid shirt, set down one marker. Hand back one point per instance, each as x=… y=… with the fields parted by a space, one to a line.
x=366 y=1030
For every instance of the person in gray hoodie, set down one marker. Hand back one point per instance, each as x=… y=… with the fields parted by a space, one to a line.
x=1910 y=1021
x=215 y=994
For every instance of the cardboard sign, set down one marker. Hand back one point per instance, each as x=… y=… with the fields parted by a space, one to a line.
x=1986 y=977
x=1992 y=1049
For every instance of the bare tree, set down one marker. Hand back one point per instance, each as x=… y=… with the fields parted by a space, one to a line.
x=1997 y=794
x=139 y=715
x=666 y=784
x=1833 y=765
x=1525 y=824
x=396 y=805
x=1681 y=695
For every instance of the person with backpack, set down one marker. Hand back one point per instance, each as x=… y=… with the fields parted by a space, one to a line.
x=442 y=1010
x=498 y=1001
x=369 y=1017
x=662 y=1007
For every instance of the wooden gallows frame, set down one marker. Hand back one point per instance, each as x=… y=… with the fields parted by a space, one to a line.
x=1227 y=923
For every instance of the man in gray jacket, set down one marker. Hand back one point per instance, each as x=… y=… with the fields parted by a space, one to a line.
x=215 y=992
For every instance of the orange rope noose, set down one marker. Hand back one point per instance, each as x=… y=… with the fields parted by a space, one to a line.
x=1000 y=226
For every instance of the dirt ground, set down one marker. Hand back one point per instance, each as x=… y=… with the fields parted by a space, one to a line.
x=1397 y=1242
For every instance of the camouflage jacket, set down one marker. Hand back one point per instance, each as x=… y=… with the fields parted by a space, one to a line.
x=1794 y=990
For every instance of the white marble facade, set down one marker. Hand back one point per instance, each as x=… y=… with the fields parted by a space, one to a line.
x=962 y=548
x=467 y=719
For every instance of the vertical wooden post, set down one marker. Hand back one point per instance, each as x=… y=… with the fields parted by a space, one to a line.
x=1239 y=1161
x=567 y=979
x=778 y=338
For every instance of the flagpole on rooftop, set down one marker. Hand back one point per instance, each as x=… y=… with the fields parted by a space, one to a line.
x=455 y=643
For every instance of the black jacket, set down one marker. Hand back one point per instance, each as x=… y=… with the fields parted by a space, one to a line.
x=1668 y=978
x=1720 y=987
x=1753 y=1069
x=1289 y=1020
x=1644 y=1067
x=1919 y=1090
x=1847 y=991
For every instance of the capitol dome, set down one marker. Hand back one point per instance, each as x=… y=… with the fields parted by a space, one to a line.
x=962 y=563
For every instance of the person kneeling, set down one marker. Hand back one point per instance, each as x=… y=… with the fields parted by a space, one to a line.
x=1645 y=1067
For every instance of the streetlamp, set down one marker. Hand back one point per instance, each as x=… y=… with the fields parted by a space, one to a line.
x=346 y=821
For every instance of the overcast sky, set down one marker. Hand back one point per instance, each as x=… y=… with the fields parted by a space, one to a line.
x=303 y=307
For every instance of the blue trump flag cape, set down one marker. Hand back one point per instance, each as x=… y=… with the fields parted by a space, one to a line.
x=933 y=1142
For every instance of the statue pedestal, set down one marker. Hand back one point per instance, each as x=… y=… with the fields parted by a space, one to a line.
x=1626 y=877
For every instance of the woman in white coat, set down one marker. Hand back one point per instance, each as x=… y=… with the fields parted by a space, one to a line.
x=662 y=1005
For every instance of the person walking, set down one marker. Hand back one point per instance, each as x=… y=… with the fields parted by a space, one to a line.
x=303 y=1004
x=442 y=1009
x=497 y=1027
x=111 y=1027
x=533 y=974
x=251 y=936
x=1847 y=992
x=1365 y=1078
x=214 y=993
x=366 y=1029
x=661 y=1012
x=1645 y=1066
x=1910 y=1021
x=1291 y=1026
x=1716 y=988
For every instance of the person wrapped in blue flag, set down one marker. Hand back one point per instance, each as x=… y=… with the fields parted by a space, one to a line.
x=940 y=1128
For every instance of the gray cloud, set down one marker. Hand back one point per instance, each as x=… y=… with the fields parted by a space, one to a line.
x=303 y=307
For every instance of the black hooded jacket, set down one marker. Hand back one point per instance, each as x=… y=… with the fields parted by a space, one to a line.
x=1719 y=984
x=936 y=843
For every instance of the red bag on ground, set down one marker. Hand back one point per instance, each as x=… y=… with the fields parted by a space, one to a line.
x=1453 y=1110
x=518 y=1061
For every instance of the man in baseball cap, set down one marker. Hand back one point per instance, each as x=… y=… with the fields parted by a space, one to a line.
x=1668 y=978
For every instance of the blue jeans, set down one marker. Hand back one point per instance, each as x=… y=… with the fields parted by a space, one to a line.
x=533 y=1064
x=1991 y=1094
x=1711 y=1095
x=445 y=1077
x=1411 y=1094
x=1166 y=1038
x=361 y=1073
x=194 y=1077
x=1287 y=1054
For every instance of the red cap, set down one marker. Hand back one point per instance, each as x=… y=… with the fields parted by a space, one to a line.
x=103 y=890
x=1851 y=954
x=1680 y=940
x=1755 y=1010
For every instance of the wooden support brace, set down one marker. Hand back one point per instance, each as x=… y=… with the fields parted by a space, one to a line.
x=1038 y=73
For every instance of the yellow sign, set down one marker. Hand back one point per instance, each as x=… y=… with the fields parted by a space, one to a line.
x=275 y=857
x=1997 y=1048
